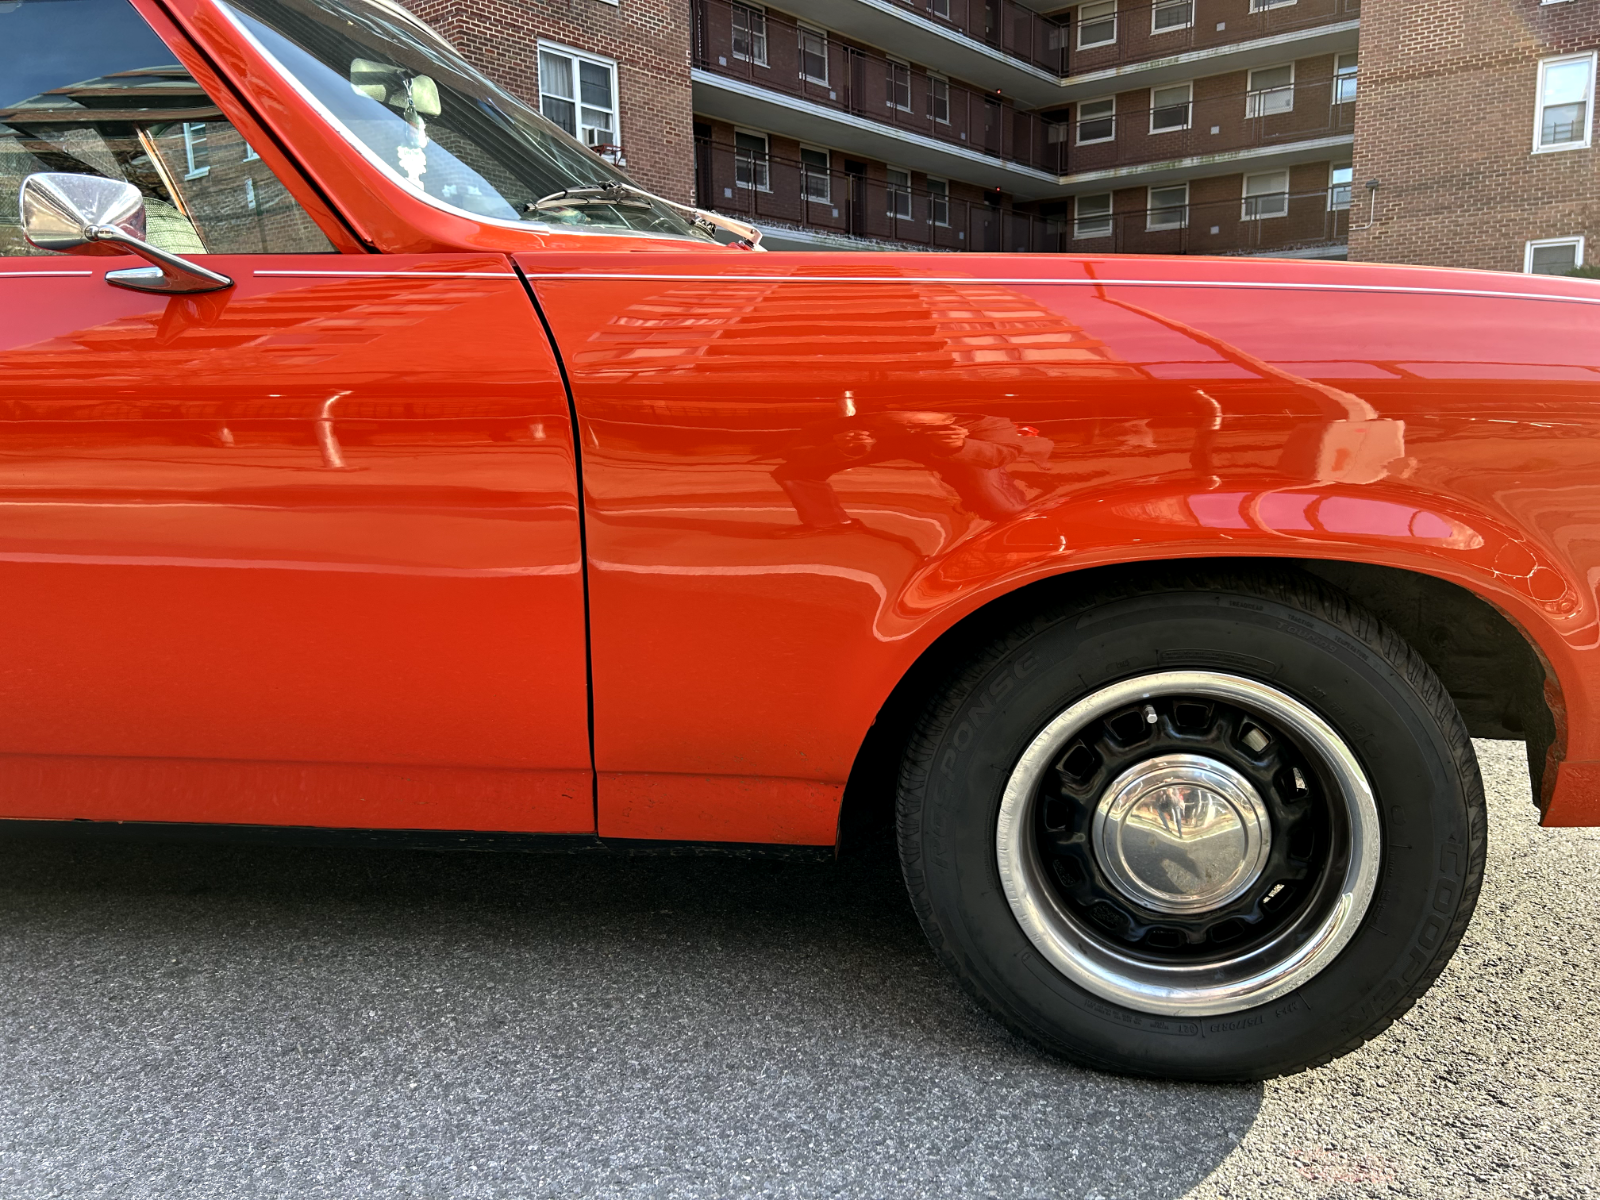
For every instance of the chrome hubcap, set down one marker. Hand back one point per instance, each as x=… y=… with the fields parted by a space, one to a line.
x=1188 y=843
x=1182 y=833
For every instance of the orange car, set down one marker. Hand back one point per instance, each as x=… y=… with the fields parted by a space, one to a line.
x=377 y=457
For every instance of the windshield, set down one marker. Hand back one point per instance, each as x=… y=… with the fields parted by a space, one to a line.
x=435 y=125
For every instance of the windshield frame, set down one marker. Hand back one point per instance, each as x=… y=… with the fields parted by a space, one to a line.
x=390 y=176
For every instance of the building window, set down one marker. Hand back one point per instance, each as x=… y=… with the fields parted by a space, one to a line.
x=1271 y=91
x=899 y=82
x=750 y=34
x=814 y=55
x=1340 y=176
x=1169 y=107
x=1553 y=256
x=1093 y=216
x=750 y=161
x=899 y=194
x=1168 y=207
x=1566 y=94
x=939 y=99
x=1344 y=79
x=1266 y=195
x=195 y=152
x=579 y=93
x=938 y=201
x=1097 y=24
x=1097 y=121
x=816 y=183
x=941 y=8
x=1171 y=14
x=1263 y=5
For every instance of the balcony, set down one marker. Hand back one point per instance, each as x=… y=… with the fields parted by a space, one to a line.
x=786 y=78
x=802 y=206
x=1008 y=46
x=1200 y=37
x=1210 y=132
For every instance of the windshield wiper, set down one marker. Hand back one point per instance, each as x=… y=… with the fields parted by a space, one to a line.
x=618 y=194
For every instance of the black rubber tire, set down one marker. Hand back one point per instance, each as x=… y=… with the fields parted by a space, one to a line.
x=1285 y=628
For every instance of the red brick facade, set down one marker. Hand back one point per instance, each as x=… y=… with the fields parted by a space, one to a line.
x=649 y=39
x=1445 y=124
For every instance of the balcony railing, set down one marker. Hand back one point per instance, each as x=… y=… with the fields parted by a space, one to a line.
x=1004 y=25
x=765 y=188
x=779 y=54
x=1167 y=126
x=1158 y=28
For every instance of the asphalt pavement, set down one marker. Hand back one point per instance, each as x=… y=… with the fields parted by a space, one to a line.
x=233 y=1021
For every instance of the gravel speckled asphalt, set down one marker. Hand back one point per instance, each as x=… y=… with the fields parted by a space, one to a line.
x=226 y=1021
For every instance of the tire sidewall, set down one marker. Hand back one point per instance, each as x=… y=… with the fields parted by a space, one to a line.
x=1424 y=867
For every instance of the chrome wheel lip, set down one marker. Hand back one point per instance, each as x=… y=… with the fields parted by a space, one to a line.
x=1195 y=770
x=1214 y=988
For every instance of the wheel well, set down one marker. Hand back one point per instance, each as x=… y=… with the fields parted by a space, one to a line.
x=1485 y=662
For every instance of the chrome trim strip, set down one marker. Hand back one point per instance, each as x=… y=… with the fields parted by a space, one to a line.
x=1015 y=282
x=391 y=274
x=44 y=274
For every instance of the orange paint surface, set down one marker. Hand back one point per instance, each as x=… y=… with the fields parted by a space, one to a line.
x=308 y=550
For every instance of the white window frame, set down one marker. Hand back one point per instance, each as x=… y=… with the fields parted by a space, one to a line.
x=1253 y=95
x=1158 y=5
x=1263 y=5
x=808 y=173
x=1188 y=108
x=941 y=9
x=1349 y=198
x=1539 y=105
x=1245 y=197
x=1077 y=122
x=1576 y=242
x=1079 y=221
x=1345 y=83
x=1150 y=207
x=1115 y=15
x=942 y=197
x=576 y=99
x=194 y=140
x=765 y=184
x=934 y=79
x=758 y=10
x=891 y=190
x=891 y=65
x=804 y=29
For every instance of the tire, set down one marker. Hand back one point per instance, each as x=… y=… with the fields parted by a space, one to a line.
x=1071 y=806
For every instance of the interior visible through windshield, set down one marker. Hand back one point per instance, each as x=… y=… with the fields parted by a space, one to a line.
x=435 y=124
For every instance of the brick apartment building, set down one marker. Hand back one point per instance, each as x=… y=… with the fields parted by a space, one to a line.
x=1508 y=176
x=615 y=73
x=1146 y=126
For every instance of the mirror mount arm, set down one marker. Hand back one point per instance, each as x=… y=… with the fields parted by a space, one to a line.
x=170 y=274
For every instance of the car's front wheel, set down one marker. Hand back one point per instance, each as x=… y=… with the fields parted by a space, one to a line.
x=1203 y=827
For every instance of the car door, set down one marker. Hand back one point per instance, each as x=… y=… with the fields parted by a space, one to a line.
x=301 y=551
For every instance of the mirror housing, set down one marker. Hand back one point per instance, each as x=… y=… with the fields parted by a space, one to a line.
x=88 y=214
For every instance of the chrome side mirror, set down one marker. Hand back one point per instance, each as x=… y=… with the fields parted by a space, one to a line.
x=87 y=214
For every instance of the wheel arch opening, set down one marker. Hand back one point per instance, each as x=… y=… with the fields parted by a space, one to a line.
x=1491 y=670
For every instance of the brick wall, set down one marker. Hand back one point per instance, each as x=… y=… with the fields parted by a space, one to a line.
x=1219 y=120
x=1445 y=124
x=649 y=39
x=1213 y=23
x=1218 y=222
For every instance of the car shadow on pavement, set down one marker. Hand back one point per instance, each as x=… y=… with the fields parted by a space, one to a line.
x=182 y=1020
